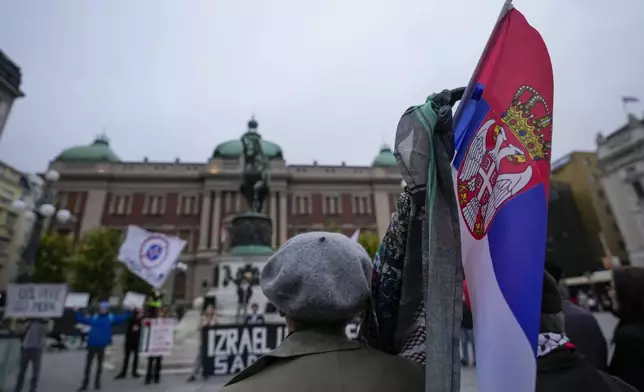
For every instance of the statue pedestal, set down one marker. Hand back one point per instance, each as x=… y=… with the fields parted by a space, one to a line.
x=226 y=291
x=251 y=234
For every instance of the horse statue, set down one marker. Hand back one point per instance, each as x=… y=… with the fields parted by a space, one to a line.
x=254 y=185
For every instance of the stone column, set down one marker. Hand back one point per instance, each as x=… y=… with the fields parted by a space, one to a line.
x=273 y=216
x=205 y=221
x=283 y=218
x=216 y=222
x=383 y=215
x=93 y=213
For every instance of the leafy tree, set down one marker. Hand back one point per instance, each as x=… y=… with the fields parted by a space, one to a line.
x=131 y=282
x=52 y=258
x=370 y=241
x=94 y=266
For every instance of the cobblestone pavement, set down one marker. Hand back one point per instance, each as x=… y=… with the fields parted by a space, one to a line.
x=63 y=372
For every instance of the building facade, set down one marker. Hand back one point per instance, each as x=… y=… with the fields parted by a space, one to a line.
x=621 y=161
x=197 y=200
x=14 y=228
x=10 y=79
x=580 y=171
x=569 y=246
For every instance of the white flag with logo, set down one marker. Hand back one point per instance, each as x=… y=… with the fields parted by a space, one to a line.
x=150 y=256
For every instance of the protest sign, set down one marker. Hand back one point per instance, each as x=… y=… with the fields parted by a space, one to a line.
x=77 y=300
x=229 y=349
x=150 y=256
x=157 y=337
x=34 y=300
x=133 y=300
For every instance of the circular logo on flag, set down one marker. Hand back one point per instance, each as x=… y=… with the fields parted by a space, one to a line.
x=154 y=251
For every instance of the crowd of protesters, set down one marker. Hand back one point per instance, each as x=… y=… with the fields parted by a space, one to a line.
x=333 y=275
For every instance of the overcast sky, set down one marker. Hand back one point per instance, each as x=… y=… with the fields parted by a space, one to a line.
x=327 y=80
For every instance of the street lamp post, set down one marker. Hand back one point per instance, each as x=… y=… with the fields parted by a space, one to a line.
x=44 y=208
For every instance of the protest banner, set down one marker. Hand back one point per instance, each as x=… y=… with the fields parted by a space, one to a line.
x=229 y=349
x=157 y=337
x=35 y=300
x=133 y=300
x=77 y=300
x=150 y=256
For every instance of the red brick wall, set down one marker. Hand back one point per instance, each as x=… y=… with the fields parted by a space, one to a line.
x=317 y=217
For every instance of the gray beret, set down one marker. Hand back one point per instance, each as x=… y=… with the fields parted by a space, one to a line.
x=318 y=276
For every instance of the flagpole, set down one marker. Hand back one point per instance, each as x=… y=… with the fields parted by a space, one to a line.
x=507 y=6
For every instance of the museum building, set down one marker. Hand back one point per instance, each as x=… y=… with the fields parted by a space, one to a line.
x=197 y=200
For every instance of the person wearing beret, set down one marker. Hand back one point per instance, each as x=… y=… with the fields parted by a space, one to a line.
x=319 y=282
x=560 y=367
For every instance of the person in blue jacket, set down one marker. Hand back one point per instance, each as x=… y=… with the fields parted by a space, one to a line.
x=99 y=337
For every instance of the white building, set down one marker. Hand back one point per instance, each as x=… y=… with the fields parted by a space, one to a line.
x=10 y=79
x=621 y=160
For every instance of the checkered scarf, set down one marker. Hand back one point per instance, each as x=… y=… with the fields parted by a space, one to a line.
x=550 y=341
x=392 y=307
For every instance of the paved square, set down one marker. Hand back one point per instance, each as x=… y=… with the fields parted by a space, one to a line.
x=63 y=372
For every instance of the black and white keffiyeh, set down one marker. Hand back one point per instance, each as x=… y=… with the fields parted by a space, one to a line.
x=548 y=342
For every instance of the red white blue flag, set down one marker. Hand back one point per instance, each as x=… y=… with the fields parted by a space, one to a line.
x=501 y=169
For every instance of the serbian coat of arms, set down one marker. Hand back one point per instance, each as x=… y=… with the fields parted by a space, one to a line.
x=499 y=162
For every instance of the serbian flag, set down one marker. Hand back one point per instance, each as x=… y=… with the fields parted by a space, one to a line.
x=501 y=169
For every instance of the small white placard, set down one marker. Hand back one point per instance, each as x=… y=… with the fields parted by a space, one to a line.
x=157 y=337
x=77 y=300
x=133 y=300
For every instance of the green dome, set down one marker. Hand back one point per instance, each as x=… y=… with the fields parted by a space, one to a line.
x=234 y=148
x=98 y=151
x=386 y=158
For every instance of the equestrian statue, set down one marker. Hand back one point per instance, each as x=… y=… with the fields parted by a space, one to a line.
x=254 y=185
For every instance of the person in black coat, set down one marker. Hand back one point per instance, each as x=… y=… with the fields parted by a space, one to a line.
x=560 y=366
x=582 y=328
x=155 y=364
x=627 y=362
x=132 y=339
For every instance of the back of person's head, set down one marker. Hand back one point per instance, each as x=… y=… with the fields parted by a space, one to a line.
x=629 y=292
x=104 y=307
x=552 y=319
x=208 y=310
x=555 y=271
x=318 y=278
x=557 y=274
